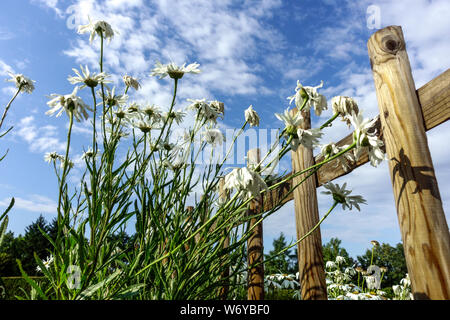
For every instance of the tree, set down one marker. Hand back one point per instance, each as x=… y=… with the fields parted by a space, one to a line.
x=33 y=242
x=281 y=263
x=332 y=249
x=8 y=252
x=392 y=258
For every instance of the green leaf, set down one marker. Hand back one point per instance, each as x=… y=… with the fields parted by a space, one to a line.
x=3 y=229
x=6 y=132
x=87 y=293
x=7 y=209
x=31 y=281
x=4 y=155
x=130 y=291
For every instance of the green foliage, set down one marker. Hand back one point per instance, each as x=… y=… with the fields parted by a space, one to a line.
x=280 y=294
x=283 y=263
x=332 y=249
x=13 y=287
x=24 y=247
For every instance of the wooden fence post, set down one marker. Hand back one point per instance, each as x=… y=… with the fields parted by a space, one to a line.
x=255 y=248
x=423 y=226
x=224 y=196
x=310 y=257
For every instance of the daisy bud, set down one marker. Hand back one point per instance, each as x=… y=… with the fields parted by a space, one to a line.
x=375 y=243
x=252 y=117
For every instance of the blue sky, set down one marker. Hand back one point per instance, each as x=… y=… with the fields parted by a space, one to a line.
x=250 y=52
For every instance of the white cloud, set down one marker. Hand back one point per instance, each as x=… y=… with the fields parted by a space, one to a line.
x=34 y=203
x=224 y=41
x=39 y=138
x=5 y=68
x=52 y=4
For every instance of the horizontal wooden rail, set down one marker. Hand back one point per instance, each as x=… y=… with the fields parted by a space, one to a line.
x=434 y=98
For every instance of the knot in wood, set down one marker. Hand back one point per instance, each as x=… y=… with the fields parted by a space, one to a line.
x=391 y=44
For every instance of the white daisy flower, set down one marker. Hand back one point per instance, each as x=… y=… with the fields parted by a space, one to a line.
x=47 y=262
x=213 y=137
x=70 y=163
x=86 y=78
x=247 y=182
x=406 y=282
x=131 y=82
x=251 y=117
x=25 y=84
x=341 y=195
x=345 y=160
x=206 y=111
x=120 y=113
x=112 y=99
x=344 y=106
x=366 y=139
x=97 y=28
x=152 y=111
x=142 y=122
x=318 y=101
x=175 y=115
x=174 y=71
x=397 y=289
x=291 y=122
x=69 y=103
x=309 y=138
x=218 y=106
x=88 y=154
x=52 y=156
x=350 y=271
x=328 y=150
x=340 y=259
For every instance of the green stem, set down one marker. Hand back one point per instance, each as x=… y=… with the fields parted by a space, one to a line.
x=329 y=121
x=103 y=92
x=303 y=237
x=9 y=105
x=166 y=122
x=353 y=145
x=66 y=162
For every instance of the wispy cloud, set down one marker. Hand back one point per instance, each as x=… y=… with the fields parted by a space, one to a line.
x=39 y=138
x=34 y=203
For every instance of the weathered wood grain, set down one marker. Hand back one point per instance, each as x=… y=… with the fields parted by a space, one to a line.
x=423 y=226
x=255 y=247
x=310 y=257
x=224 y=196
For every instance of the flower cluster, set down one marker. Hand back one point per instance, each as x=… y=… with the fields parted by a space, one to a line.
x=246 y=181
x=281 y=281
x=309 y=138
x=403 y=290
x=340 y=286
x=207 y=111
x=54 y=156
x=365 y=138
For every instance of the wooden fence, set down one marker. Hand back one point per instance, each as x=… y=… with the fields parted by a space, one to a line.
x=405 y=115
